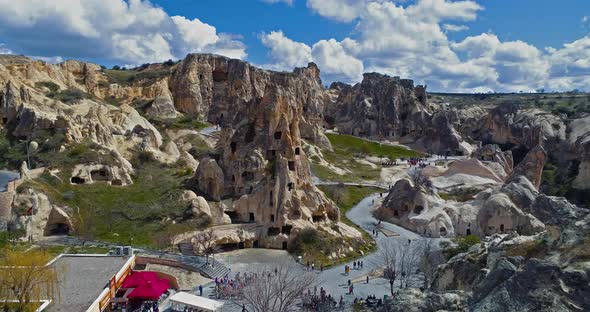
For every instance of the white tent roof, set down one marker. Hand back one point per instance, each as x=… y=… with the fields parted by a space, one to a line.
x=196 y=301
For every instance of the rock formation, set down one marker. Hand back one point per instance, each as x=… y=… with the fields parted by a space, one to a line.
x=532 y=166
x=261 y=171
x=497 y=208
x=384 y=107
x=507 y=272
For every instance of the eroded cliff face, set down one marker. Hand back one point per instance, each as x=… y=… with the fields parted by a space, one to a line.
x=379 y=106
x=28 y=111
x=383 y=107
x=261 y=172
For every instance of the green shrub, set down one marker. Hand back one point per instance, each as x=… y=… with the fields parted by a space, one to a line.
x=69 y=95
x=53 y=87
x=461 y=245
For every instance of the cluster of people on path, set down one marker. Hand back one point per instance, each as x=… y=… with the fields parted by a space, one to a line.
x=226 y=288
x=321 y=301
x=355 y=265
x=370 y=301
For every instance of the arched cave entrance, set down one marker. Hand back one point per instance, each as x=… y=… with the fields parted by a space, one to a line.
x=57 y=223
x=443 y=231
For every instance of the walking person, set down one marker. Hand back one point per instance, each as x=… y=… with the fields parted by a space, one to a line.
x=354 y=265
x=200 y=290
x=367 y=279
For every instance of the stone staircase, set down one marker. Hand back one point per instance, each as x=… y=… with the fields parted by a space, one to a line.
x=213 y=269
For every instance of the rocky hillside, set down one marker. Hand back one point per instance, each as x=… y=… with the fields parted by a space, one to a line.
x=393 y=109
x=238 y=128
x=383 y=107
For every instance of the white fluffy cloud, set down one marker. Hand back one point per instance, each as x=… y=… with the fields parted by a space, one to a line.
x=133 y=31
x=340 y=10
x=285 y=54
x=335 y=62
x=331 y=56
x=410 y=40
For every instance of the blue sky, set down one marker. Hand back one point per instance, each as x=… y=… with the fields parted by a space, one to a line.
x=539 y=22
x=451 y=45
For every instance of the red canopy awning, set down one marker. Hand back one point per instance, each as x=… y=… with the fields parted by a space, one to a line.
x=152 y=290
x=138 y=278
x=146 y=285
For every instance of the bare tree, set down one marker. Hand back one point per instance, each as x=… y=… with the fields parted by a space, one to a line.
x=277 y=289
x=420 y=180
x=205 y=244
x=430 y=259
x=399 y=262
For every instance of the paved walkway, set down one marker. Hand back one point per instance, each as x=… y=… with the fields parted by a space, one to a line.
x=333 y=280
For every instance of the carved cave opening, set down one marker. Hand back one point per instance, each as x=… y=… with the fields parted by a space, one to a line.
x=77 y=180
x=57 y=229
x=100 y=175
x=251 y=133
x=286 y=229
x=248 y=176
x=273 y=231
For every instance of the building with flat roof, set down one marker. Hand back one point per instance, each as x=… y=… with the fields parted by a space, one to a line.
x=83 y=278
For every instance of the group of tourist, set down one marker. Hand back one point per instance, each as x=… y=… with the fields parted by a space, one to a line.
x=370 y=301
x=355 y=265
x=226 y=288
x=321 y=301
